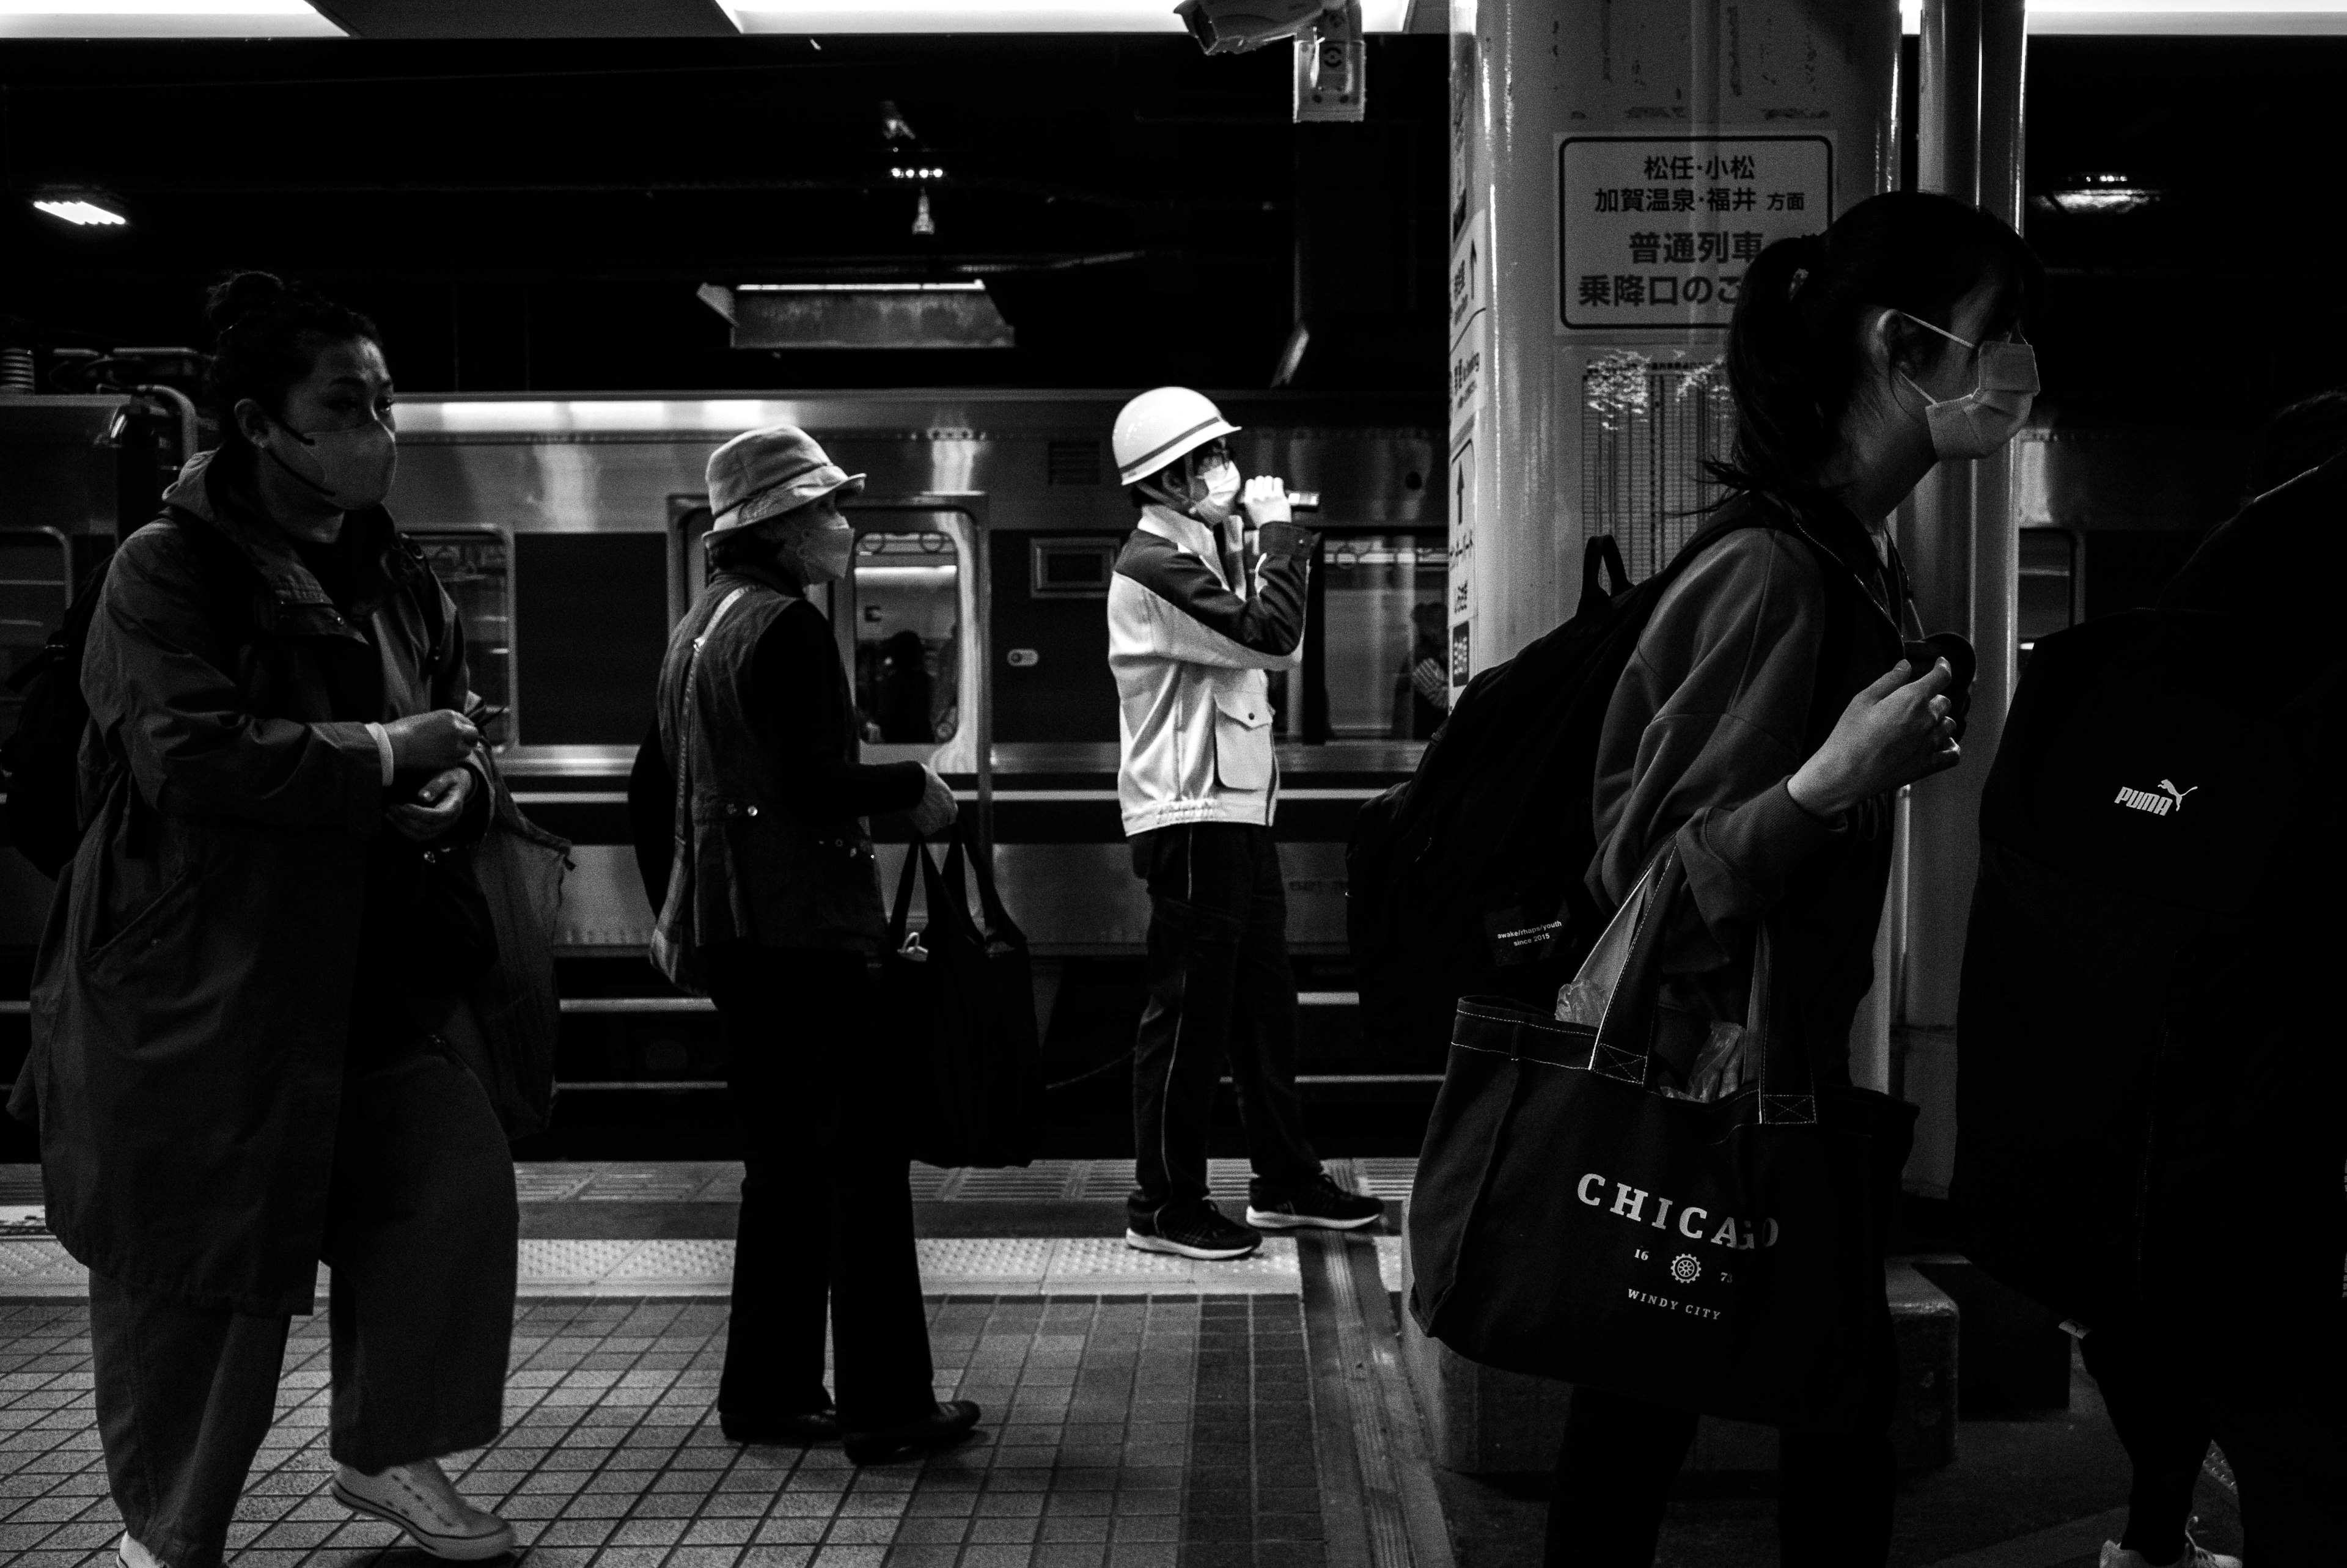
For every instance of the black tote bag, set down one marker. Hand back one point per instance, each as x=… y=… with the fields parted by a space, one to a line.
x=1571 y=1222
x=962 y=989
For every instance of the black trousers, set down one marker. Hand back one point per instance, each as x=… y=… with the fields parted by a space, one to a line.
x=2266 y=1392
x=1620 y=1455
x=1220 y=994
x=420 y=1234
x=826 y=1220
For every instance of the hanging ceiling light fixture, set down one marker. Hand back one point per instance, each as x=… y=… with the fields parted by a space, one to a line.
x=2096 y=195
x=82 y=206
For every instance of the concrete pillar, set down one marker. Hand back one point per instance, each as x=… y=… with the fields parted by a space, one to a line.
x=1961 y=550
x=1586 y=333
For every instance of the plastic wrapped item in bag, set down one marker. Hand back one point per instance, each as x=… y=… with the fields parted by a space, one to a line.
x=1580 y=1001
x=1719 y=1070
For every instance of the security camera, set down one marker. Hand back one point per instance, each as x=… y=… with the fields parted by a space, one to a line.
x=1236 y=27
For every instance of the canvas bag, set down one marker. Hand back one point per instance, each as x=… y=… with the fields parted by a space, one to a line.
x=962 y=992
x=1569 y=1222
x=515 y=1009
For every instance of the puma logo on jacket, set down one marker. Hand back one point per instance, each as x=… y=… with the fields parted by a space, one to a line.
x=1189 y=656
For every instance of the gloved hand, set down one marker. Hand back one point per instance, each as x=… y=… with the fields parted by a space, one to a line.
x=1264 y=500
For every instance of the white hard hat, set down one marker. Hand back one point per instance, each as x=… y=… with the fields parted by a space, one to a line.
x=1158 y=426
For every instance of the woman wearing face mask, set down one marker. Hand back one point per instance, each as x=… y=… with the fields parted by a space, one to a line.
x=772 y=906
x=237 y=1063
x=1772 y=708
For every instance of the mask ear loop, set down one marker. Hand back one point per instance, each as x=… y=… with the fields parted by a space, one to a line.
x=1929 y=401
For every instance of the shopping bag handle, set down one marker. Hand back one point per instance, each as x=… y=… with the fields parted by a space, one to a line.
x=981 y=865
x=917 y=849
x=1628 y=963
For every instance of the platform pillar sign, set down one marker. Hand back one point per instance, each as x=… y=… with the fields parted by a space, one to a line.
x=1471 y=291
x=1625 y=164
x=1656 y=232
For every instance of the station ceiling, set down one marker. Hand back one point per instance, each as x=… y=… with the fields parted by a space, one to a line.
x=538 y=215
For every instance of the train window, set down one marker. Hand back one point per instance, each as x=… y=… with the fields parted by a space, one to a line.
x=688 y=568
x=476 y=568
x=1383 y=629
x=2048 y=596
x=35 y=588
x=1070 y=568
x=591 y=617
x=908 y=606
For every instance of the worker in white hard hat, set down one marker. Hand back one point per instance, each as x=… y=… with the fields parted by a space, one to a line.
x=1198 y=612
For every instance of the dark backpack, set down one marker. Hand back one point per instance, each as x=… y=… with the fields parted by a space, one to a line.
x=2147 y=1087
x=1470 y=879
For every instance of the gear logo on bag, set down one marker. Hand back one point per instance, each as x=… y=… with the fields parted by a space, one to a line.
x=1686 y=1269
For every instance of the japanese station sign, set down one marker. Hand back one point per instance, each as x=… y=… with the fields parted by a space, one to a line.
x=1656 y=231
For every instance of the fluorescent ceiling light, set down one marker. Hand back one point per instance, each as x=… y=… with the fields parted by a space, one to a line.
x=970 y=288
x=995 y=15
x=80 y=212
x=2187 y=18
x=163 y=19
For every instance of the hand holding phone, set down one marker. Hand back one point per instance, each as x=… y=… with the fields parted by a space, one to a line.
x=438 y=806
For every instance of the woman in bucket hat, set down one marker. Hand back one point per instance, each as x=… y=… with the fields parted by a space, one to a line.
x=772 y=906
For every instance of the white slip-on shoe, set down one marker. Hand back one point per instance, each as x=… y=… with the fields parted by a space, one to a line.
x=130 y=1554
x=418 y=1498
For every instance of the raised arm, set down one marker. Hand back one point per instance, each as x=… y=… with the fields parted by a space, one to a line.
x=1167 y=603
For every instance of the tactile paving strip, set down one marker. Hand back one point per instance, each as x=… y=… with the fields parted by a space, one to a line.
x=1092 y=1266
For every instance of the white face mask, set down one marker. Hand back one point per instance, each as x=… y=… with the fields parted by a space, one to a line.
x=350 y=468
x=1221 y=491
x=825 y=550
x=1977 y=423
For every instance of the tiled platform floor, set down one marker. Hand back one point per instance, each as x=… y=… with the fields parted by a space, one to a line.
x=1162 y=1432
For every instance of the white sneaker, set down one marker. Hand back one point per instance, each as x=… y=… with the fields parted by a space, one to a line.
x=130 y=1554
x=418 y=1498
x=2195 y=1556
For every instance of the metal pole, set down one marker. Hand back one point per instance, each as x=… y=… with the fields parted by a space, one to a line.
x=1996 y=578
x=1945 y=808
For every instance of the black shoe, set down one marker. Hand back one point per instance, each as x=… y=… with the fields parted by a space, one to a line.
x=799 y=1431
x=948 y=1424
x=1318 y=1205
x=1197 y=1230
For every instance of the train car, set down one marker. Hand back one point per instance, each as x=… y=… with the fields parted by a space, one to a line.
x=974 y=623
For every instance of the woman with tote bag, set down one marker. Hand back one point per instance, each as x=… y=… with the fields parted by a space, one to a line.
x=1776 y=701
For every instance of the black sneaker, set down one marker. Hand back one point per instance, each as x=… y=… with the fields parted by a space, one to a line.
x=1318 y=1205
x=1191 y=1230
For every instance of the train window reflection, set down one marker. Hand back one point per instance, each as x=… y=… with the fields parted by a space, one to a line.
x=1383 y=628
x=908 y=610
x=2047 y=592
x=35 y=588
x=475 y=568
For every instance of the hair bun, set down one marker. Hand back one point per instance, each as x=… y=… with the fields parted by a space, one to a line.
x=242 y=295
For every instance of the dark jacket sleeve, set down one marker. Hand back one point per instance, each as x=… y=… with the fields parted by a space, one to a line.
x=1703 y=735
x=794 y=678
x=1212 y=625
x=155 y=682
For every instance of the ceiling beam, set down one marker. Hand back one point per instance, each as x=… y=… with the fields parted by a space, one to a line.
x=531 y=18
